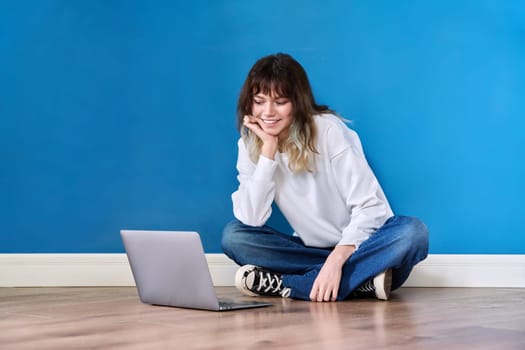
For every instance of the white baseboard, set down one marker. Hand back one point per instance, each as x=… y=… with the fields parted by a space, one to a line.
x=470 y=270
x=69 y=270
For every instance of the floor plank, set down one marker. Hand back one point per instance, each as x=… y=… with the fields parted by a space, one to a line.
x=114 y=318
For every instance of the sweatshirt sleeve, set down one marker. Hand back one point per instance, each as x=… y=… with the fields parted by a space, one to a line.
x=362 y=194
x=252 y=202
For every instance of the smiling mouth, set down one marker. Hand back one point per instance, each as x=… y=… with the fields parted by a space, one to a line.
x=270 y=121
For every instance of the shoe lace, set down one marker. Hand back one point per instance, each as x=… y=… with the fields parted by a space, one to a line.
x=269 y=283
x=367 y=287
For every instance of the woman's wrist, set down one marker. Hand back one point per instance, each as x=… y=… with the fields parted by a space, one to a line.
x=341 y=254
x=268 y=150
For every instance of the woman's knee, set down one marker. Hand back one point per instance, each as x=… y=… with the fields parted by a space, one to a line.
x=413 y=231
x=232 y=235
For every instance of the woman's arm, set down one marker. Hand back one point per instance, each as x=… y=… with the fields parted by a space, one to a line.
x=365 y=201
x=252 y=202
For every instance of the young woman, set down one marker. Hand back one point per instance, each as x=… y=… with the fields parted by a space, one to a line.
x=302 y=156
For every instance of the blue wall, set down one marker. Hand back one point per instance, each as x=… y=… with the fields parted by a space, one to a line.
x=120 y=114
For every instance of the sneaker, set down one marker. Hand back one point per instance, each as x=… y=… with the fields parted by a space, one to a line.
x=253 y=281
x=378 y=287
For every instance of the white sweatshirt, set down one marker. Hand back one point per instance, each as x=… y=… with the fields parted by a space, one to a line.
x=341 y=203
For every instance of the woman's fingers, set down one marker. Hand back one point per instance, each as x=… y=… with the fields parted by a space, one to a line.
x=323 y=293
x=252 y=124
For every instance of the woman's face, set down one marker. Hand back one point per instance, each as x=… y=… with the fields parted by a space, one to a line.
x=274 y=114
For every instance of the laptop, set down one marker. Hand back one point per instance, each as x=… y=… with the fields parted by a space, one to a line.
x=170 y=269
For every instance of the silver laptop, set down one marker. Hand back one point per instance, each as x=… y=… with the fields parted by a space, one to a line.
x=170 y=269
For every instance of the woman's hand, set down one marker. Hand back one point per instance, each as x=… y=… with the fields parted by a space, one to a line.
x=326 y=285
x=270 y=142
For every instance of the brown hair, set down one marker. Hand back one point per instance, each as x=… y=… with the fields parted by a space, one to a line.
x=282 y=75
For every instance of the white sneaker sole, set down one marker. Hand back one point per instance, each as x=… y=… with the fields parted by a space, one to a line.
x=383 y=285
x=240 y=283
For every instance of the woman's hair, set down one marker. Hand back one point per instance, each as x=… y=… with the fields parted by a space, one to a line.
x=283 y=76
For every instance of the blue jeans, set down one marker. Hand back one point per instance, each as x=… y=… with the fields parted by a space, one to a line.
x=399 y=244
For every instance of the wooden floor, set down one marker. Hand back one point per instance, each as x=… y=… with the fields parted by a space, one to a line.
x=113 y=318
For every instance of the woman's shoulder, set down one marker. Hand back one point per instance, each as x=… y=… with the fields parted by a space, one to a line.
x=334 y=126
x=333 y=132
x=328 y=120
